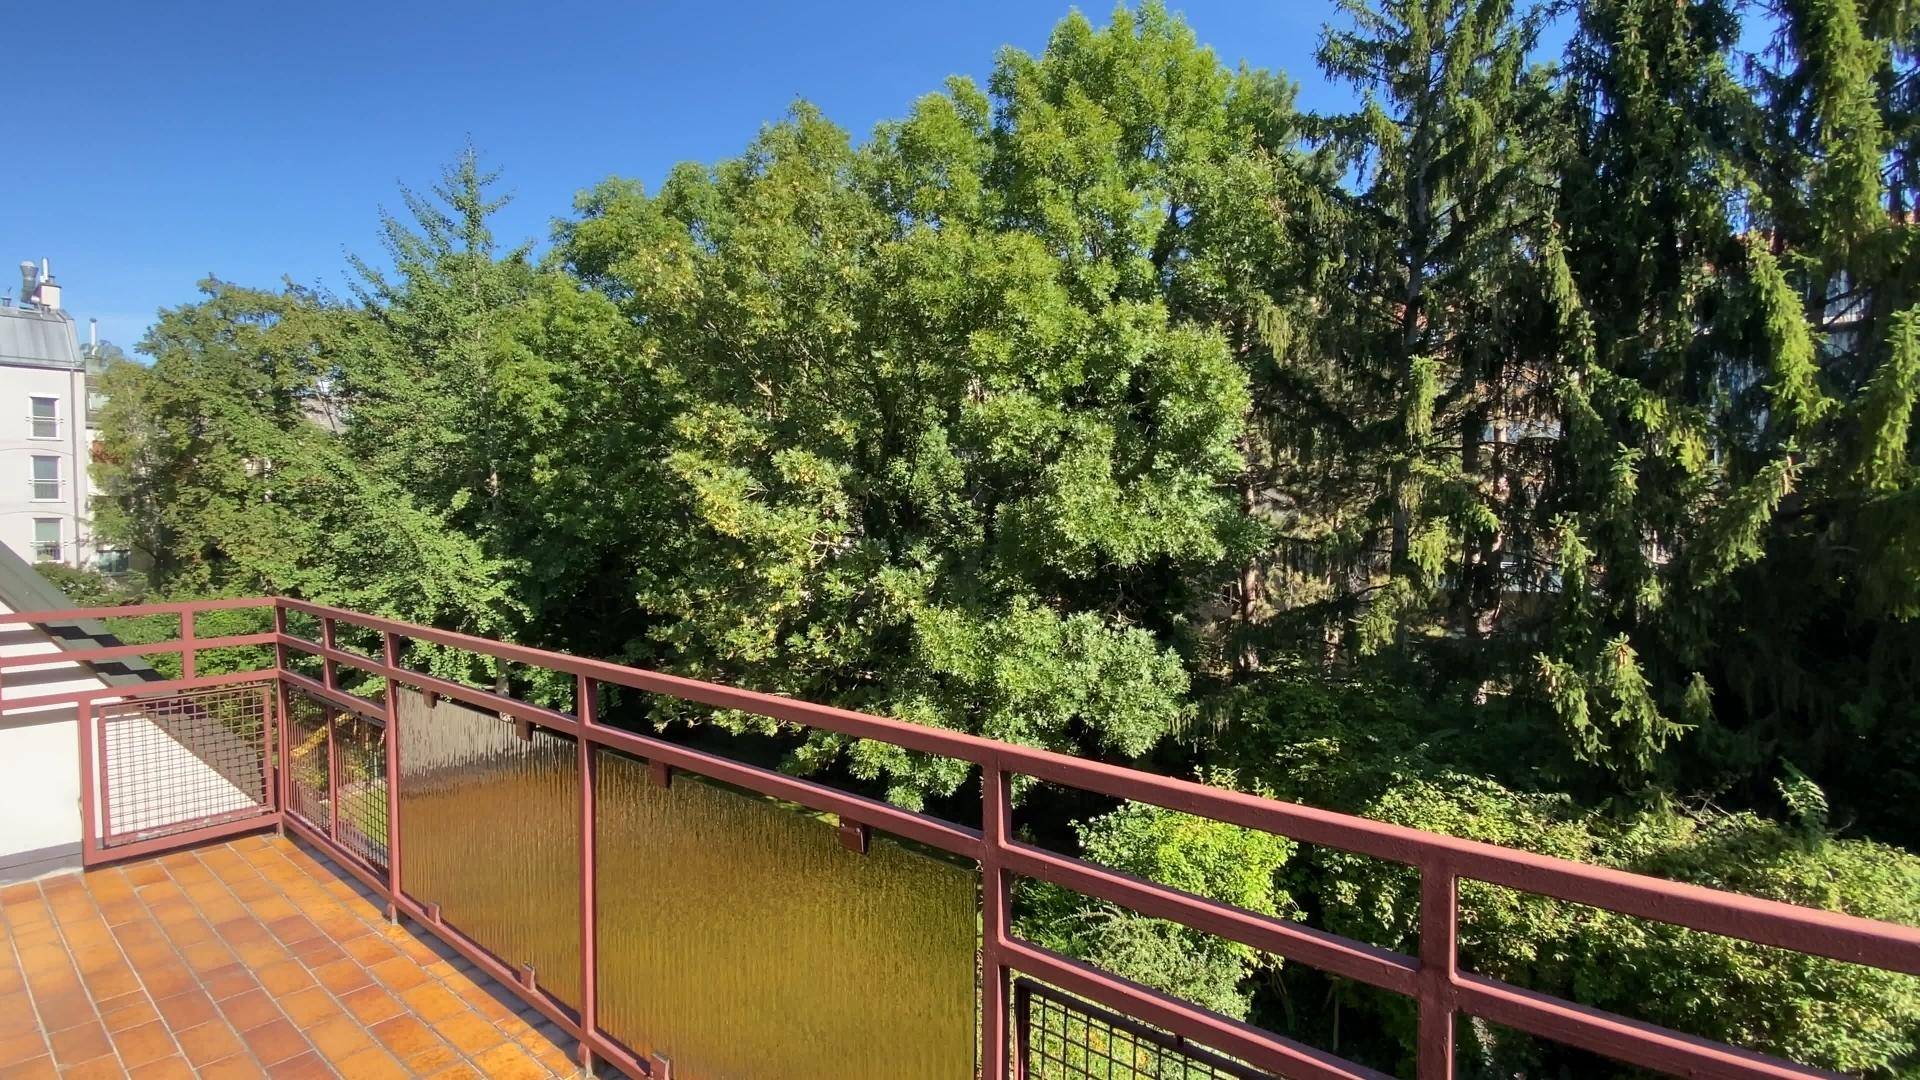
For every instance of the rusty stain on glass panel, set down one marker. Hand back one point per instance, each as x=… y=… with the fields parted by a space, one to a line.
x=490 y=831
x=741 y=939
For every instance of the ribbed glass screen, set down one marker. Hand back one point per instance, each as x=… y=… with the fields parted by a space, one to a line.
x=490 y=830
x=741 y=940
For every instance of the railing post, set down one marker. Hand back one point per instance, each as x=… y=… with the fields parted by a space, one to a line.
x=106 y=769
x=333 y=776
x=996 y=820
x=83 y=722
x=189 y=660
x=327 y=675
x=390 y=653
x=1022 y=1028
x=587 y=708
x=282 y=785
x=1439 y=927
x=269 y=733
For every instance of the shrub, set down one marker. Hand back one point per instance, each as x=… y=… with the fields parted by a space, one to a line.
x=1816 y=1011
x=1209 y=858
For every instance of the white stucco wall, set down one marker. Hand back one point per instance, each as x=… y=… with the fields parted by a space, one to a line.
x=39 y=760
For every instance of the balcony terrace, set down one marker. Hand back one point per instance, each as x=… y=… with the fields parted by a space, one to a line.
x=244 y=958
x=333 y=862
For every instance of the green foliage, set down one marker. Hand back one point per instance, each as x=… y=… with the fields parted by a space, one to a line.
x=88 y=588
x=943 y=452
x=1206 y=858
x=1826 y=1013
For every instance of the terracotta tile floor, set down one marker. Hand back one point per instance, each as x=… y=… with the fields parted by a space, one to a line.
x=254 y=957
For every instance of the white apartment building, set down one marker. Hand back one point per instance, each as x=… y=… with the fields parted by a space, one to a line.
x=45 y=438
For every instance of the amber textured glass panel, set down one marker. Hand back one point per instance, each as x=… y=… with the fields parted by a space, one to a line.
x=490 y=830
x=740 y=939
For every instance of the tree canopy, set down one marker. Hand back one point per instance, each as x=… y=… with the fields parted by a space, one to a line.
x=1526 y=453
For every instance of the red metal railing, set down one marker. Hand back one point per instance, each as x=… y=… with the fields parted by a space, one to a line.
x=1432 y=979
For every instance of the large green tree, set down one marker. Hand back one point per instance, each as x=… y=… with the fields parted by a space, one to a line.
x=1738 y=403
x=219 y=463
x=519 y=408
x=945 y=453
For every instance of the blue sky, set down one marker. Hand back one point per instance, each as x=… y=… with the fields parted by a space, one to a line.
x=152 y=144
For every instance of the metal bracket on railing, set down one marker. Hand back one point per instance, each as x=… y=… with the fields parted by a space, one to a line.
x=431 y=697
x=527 y=978
x=659 y=1067
x=522 y=727
x=433 y=913
x=660 y=773
x=855 y=837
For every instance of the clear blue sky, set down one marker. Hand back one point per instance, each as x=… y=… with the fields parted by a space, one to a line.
x=151 y=144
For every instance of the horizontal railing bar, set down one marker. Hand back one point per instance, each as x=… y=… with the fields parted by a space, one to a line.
x=886 y=817
x=115 y=652
x=262 y=817
x=1814 y=931
x=872 y=812
x=362 y=707
x=170 y=607
x=1618 y=1037
x=480 y=699
x=1736 y=915
x=337 y=652
x=845 y=721
x=1263 y=1049
x=128 y=837
x=109 y=694
x=505 y=705
x=1768 y=922
x=1331 y=953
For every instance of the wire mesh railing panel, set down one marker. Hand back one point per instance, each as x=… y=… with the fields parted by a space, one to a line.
x=176 y=763
x=308 y=789
x=1064 y=1038
x=360 y=787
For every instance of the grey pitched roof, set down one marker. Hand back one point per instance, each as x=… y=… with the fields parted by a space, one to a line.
x=30 y=337
x=23 y=589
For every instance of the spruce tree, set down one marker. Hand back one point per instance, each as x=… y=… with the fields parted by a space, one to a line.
x=1449 y=162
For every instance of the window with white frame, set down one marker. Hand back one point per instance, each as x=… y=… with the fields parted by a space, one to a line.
x=43 y=417
x=46 y=478
x=46 y=539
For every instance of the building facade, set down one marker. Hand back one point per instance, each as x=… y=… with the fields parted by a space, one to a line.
x=45 y=436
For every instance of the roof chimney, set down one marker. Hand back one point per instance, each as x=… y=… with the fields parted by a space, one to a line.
x=29 y=277
x=47 y=296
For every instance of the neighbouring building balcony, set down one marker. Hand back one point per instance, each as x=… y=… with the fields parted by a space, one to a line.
x=333 y=859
